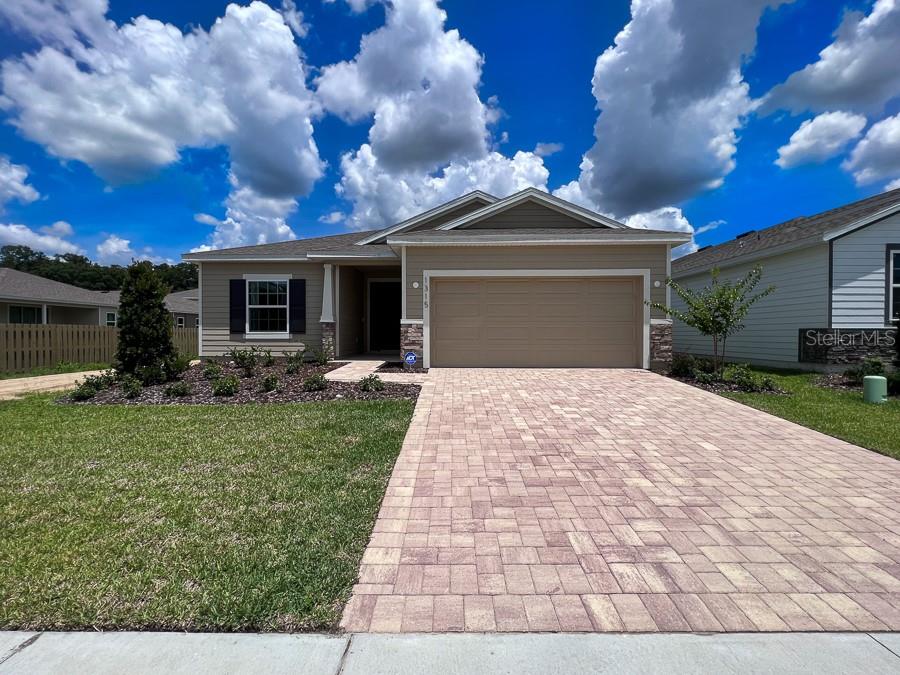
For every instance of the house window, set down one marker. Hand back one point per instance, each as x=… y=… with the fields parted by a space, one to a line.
x=22 y=314
x=894 y=285
x=197 y=322
x=267 y=306
x=111 y=319
x=179 y=322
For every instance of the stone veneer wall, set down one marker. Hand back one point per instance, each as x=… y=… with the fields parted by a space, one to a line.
x=411 y=341
x=660 y=346
x=328 y=333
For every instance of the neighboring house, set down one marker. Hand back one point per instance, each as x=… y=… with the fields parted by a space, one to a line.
x=529 y=280
x=30 y=299
x=837 y=278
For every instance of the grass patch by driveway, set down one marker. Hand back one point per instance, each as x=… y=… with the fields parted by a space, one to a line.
x=205 y=518
x=837 y=413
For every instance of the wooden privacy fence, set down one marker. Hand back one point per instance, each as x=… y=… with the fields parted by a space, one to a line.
x=24 y=347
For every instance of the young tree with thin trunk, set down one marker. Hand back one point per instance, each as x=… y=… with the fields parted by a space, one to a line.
x=717 y=310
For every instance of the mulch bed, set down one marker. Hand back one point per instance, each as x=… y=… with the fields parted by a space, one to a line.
x=398 y=367
x=290 y=389
x=723 y=387
x=837 y=381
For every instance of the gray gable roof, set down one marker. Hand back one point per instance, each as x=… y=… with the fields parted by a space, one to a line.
x=16 y=285
x=296 y=248
x=801 y=231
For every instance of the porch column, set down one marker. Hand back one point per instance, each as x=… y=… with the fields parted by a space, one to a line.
x=327 y=318
x=44 y=314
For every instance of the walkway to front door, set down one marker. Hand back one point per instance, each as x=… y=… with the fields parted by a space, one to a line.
x=619 y=500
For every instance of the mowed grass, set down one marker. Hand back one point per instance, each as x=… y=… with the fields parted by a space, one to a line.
x=837 y=413
x=58 y=369
x=202 y=518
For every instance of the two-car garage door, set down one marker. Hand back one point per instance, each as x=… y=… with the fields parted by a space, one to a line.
x=536 y=321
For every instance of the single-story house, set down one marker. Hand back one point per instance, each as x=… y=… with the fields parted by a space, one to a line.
x=29 y=299
x=837 y=279
x=529 y=280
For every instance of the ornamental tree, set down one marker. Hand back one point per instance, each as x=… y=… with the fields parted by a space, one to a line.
x=717 y=310
x=145 y=346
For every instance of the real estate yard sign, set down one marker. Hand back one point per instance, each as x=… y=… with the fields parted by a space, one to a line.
x=845 y=345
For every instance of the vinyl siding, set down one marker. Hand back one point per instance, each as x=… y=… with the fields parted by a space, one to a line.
x=217 y=339
x=770 y=336
x=432 y=223
x=526 y=215
x=858 y=268
x=419 y=259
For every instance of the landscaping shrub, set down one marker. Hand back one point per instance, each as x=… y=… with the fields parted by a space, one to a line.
x=145 y=326
x=294 y=362
x=745 y=379
x=270 y=383
x=84 y=391
x=265 y=356
x=683 y=365
x=315 y=382
x=318 y=357
x=131 y=386
x=100 y=382
x=226 y=386
x=177 y=365
x=245 y=359
x=871 y=366
x=179 y=389
x=212 y=371
x=704 y=377
x=371 y=383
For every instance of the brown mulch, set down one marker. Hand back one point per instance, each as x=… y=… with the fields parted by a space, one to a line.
x=399 y=367
x=837 y=381
x=290 y=389
x=722 y=387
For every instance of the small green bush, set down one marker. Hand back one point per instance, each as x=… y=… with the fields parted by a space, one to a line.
x=315 y=382
x=226 y=386
x=871 y=366
x=179 y=389
x=683 y=365
x=745 y=379
x=245 y=359
x=371 y=383
x=704 y=377
x=212 y=371
x=266 y=358
x=84 y=391
x=176 y=366
x=318 y=357
x=294 y=362
x=104 y=380
x=131 y=386
x=270 y=383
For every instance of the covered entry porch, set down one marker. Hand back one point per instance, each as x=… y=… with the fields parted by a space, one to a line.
x=367 y=310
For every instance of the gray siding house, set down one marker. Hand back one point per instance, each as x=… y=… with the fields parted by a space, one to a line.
x=837 y=278
x=529 y=280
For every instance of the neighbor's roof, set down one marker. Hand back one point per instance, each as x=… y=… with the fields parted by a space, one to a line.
x=16 y=285
x=179 y=302
x=576 y=235
x=793 y=233
x=291 y=250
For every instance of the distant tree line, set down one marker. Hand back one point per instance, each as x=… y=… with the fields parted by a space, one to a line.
x=78 y=270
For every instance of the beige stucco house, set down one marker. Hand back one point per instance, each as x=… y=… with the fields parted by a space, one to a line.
x=529 y=280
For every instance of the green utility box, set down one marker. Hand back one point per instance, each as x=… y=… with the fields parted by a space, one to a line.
x=875 y=389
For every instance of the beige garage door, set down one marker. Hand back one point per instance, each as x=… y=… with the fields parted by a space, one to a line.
x=543 y=321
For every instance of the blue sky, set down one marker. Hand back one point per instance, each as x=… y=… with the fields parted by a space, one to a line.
x=249 y=146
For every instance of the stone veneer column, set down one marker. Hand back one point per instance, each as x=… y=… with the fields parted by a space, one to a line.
x=328 y=330
x=411 y=341
x=660 y=346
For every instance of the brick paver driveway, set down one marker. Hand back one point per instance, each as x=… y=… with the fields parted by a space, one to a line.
x=582 y=500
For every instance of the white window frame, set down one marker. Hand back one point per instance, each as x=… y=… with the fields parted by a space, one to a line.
x=115 y=323
x=893 y=287
x=286 y=335
x=179 y=322
x=197 y=322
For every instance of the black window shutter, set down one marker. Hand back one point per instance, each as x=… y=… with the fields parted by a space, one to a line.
x=237 y=304
x=297 y=309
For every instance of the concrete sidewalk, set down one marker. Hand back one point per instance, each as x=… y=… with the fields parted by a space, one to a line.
x=19 y=386
x=195 y=653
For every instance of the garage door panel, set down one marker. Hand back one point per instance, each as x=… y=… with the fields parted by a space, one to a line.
x=544 y=321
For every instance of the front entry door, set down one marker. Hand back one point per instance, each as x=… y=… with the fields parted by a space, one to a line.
x=384 y=316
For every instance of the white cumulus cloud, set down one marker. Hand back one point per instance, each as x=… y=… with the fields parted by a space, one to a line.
x=60 y=228
x=22 y=235
x=333 y=218
x=858 y=71
x=547 y=149
x=820 y=138
x=877 y=156
x=13 y=185
x=126 y=99
x=115 y=250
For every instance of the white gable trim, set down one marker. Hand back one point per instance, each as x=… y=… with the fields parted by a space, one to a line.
x=431 y=213
x=541 y=197
x=862 y=222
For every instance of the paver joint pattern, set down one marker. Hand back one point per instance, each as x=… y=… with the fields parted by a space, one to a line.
x=601 y=500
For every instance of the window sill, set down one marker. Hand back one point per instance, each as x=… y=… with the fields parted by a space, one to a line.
x=267 y=336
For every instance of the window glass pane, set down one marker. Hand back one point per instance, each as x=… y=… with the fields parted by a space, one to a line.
x=110 y=318
x=268 y=320
x=896 y=310
x=896 y=268
x=267 y=292
x=19 y=314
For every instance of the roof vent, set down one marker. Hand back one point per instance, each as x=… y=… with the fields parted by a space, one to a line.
x=745 y=234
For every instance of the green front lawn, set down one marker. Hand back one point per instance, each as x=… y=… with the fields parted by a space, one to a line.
x=242 y=517
x=836 y=413
x=58 y=369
